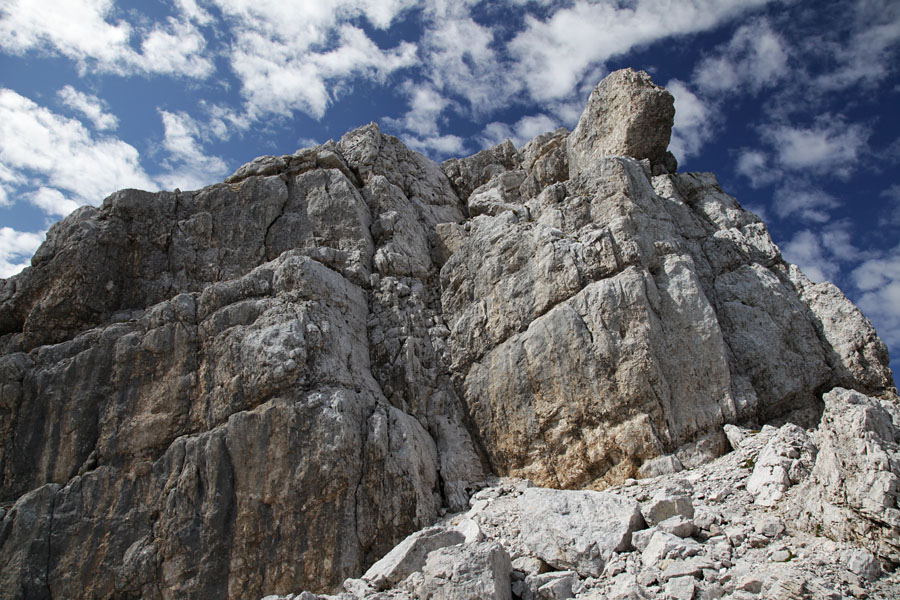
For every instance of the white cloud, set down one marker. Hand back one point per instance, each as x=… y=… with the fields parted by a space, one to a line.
x=754 y=165
x=425 y=107
x=830 y=146
x=188 y=165
x=879 y=282
x=552 y=55
x=224 y=121
x=523 y=131
x=175 y=49
x=16 y=248
x=495 y=133
x=805 y=250
x=756 y=57
x=437 y=147
x=9 y=180
x=80 y=30
x=61 y=151
x=870 y=53
x=694 y=121
x=798 y=199
x=90 y=106
x=461 y=61
x=52 y=202
x=279 y=77
x=298 y=56
x=193 y=12
x=529 y=127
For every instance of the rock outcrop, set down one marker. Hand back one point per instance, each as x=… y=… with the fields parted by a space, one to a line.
x=704 y=533
x=265 y=385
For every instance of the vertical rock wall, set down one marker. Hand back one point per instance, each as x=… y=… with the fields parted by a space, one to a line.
x=263 y=385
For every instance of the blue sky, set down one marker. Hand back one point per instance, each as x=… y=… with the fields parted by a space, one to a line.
x=794 y=105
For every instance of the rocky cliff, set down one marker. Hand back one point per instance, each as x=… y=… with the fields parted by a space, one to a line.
x=264 y=385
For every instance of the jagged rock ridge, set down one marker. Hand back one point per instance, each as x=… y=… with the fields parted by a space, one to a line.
x=264 y=385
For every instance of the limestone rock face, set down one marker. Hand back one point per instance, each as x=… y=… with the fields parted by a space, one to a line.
x=265 y=385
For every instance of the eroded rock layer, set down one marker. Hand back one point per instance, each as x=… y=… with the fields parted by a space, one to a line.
x=264 y=385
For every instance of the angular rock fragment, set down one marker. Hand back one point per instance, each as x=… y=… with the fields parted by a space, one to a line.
x=577 y=530
x=467 y=572
x=410 y=555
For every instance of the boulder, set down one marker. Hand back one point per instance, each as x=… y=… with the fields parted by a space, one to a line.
x=626 y=115
x=577 y=530
x=410 y=555
x=467 y=572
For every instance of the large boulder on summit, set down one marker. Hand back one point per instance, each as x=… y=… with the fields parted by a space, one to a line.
x=626 y=115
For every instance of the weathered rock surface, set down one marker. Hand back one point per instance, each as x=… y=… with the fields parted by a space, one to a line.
x=735 y=548
x=853 y=491
x=265 y=385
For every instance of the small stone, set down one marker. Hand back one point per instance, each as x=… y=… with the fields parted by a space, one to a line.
x=668 y=505
x=640 y=539
x=678 y=525
x=751 y=583
x=470 y=530
x=556 y=585
x=665 y=545
x=680 y=588
x=530 y=565
x=780 y=555
x=771 y=527
x=661 y=465
x=863 y=563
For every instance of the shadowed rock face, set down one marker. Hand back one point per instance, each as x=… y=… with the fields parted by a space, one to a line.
x=263 y=385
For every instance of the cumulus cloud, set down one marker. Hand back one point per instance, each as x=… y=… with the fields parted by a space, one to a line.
x=891 y=194
x=81 y=30
x=828 y=252
x=870 y=51
x=438 y=146
x=553 y=54
x=462 y=62
x=425 y=108
x=694 y=121
x=52 y=202
x=9 y=180
x=798 y=199
x=188 y=165
x=92 y=107
x=64 y=153
x=829 y=146
x=300 y=57
x=520 y=133
x=16 y=248
x=754 y=58
x=805 y=250
x=754 y=164
x=878 y=280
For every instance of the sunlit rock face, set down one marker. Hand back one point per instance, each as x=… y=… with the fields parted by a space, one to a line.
x=264 y=385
